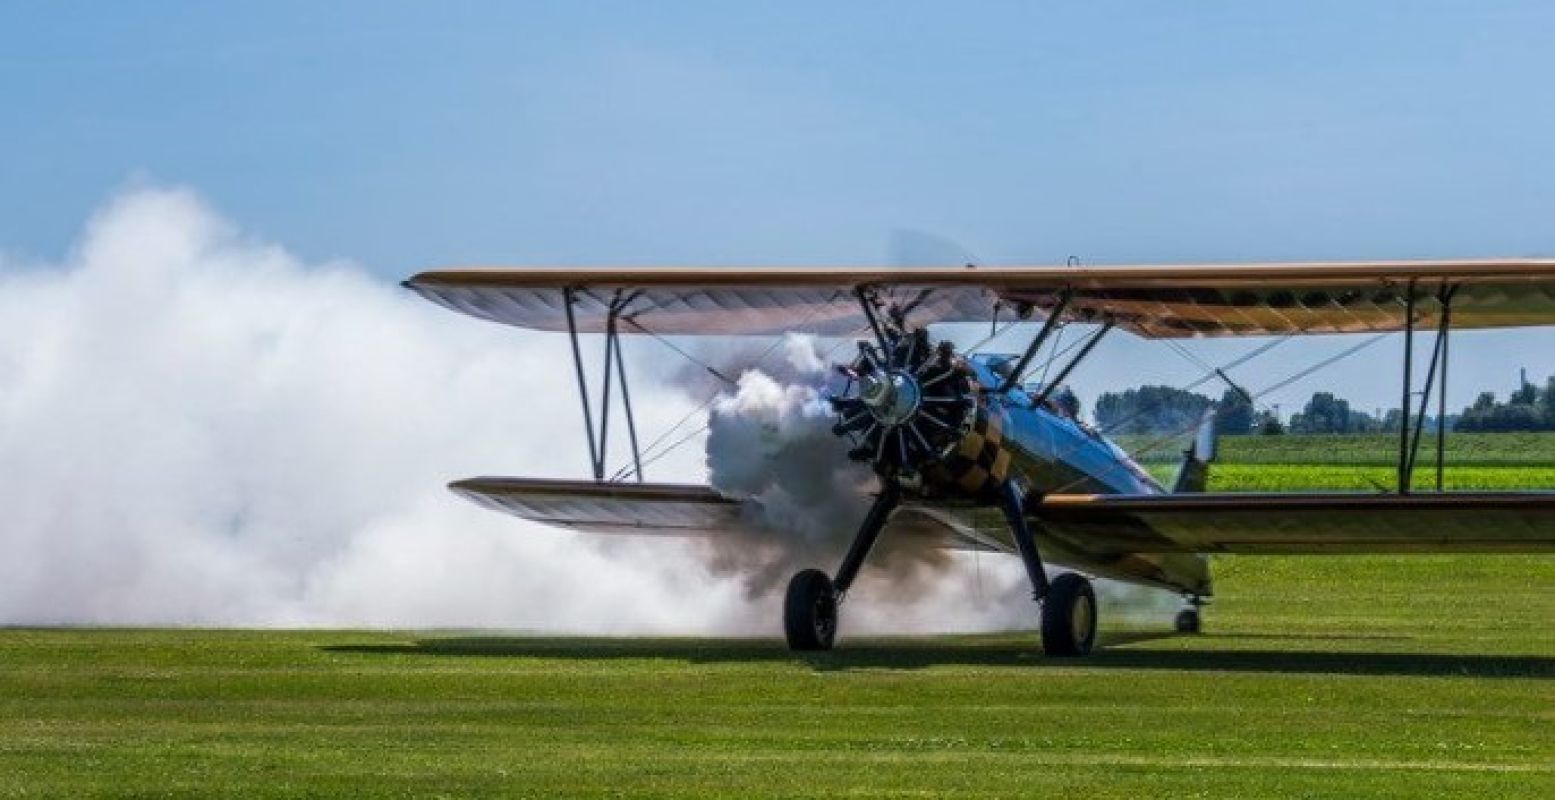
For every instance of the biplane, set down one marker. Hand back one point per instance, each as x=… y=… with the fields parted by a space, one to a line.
x=969 y=451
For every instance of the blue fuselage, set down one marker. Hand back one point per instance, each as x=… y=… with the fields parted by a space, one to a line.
x=1055 y=453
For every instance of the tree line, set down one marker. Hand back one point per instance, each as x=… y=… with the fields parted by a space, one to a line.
x=1164 y=409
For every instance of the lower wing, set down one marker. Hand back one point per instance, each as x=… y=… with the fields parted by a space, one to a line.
x=665 y=509
x=1102 y=524
x=1306 y=523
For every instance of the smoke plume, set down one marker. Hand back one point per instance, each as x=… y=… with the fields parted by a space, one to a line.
x=770 y=443
x=198 y=428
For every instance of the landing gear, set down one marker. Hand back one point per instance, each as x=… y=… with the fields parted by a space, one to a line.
x=1068 y=602
x=810 y=607
x=1187 y=620
x=1069 y=617
x=810 y=611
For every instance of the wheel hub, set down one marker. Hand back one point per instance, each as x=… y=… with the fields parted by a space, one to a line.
x=892 y=399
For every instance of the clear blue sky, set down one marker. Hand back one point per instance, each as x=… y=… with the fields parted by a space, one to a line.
x=403 y=135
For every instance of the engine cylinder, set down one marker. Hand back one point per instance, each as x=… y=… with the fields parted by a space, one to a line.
x=915 y=413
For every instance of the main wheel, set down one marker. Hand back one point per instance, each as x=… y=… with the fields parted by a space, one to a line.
x=1069 y=617
x=1187 y=621
x=810 y=611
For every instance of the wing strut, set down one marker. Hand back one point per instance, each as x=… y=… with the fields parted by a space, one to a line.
x=1441 y=395
x=599 y=446
x=867 y=303
x=1406 y=388
x=1412 y=422
x=1085 y=350
x=1053 y=316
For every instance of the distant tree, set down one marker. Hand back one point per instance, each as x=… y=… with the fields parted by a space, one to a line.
x=1149 y=409
x=1528 y=409
x=1362 y=422
x=1268 y=424
x=1324 y=413
x=1502 y=417
x=1233 y=414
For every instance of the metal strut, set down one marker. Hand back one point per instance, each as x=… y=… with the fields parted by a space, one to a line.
x=1058 y=379
x=1036 y=343
x=1403 y=404
x=615 y=362
x=1441 y=394
x=1412 y=422
x=868 y=304
x=864 y=541
x=1438 y=356
x=1014 y=508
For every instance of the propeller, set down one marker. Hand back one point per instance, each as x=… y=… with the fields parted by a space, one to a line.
x=906 y=404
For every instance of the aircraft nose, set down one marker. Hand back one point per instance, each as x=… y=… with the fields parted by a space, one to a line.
x=876 y=393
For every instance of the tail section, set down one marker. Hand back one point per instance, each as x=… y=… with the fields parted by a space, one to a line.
x=1193 y=475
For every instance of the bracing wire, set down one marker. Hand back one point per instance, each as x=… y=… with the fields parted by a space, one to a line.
x=998 y=332
x=648 y=456
x=1278 y=385
x=1210 y=373
x=1058 y=339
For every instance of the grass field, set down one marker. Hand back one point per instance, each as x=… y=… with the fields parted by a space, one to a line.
x=1463 y=449
x=1342 y=677
x=1366 y=463
x=1316 y=677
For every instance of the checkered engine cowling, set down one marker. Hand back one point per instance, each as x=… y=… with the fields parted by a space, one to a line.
x=979 y=463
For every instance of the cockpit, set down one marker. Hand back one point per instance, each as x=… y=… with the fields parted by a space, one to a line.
x=1061 y=401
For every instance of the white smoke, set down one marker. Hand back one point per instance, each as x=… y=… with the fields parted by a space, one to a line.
x=772 y=443
x=197 y=428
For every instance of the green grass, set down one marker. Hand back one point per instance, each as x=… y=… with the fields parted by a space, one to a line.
x=1317 y=677
x=1366 y=463
x=1353 y=478
x=1348 y=477
x=1341 y=677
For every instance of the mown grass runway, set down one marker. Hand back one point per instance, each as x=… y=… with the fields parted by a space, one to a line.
x=1337 y=676
x=1344 y=677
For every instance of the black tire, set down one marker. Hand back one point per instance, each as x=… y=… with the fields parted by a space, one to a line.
x=1187 y=621
x=810 y=611
x=1069 y=617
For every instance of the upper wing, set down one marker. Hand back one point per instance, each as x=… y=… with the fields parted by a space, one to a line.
x=698 y=301
x=1303 y=523
x=1152 y=301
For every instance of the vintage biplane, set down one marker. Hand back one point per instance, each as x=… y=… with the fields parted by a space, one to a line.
x=967 y=451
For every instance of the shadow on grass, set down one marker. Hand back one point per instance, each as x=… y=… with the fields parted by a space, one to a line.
x=910 y=653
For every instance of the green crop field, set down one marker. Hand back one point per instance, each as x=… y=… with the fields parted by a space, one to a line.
x=1316 y=677
x=1363 y=478
x=1365 y=463
x=1463 y=449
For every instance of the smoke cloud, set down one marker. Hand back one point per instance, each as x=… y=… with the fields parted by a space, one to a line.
x=198 y=428
x=770 y=442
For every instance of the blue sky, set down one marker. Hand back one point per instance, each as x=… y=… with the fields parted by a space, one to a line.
x=405 y=135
